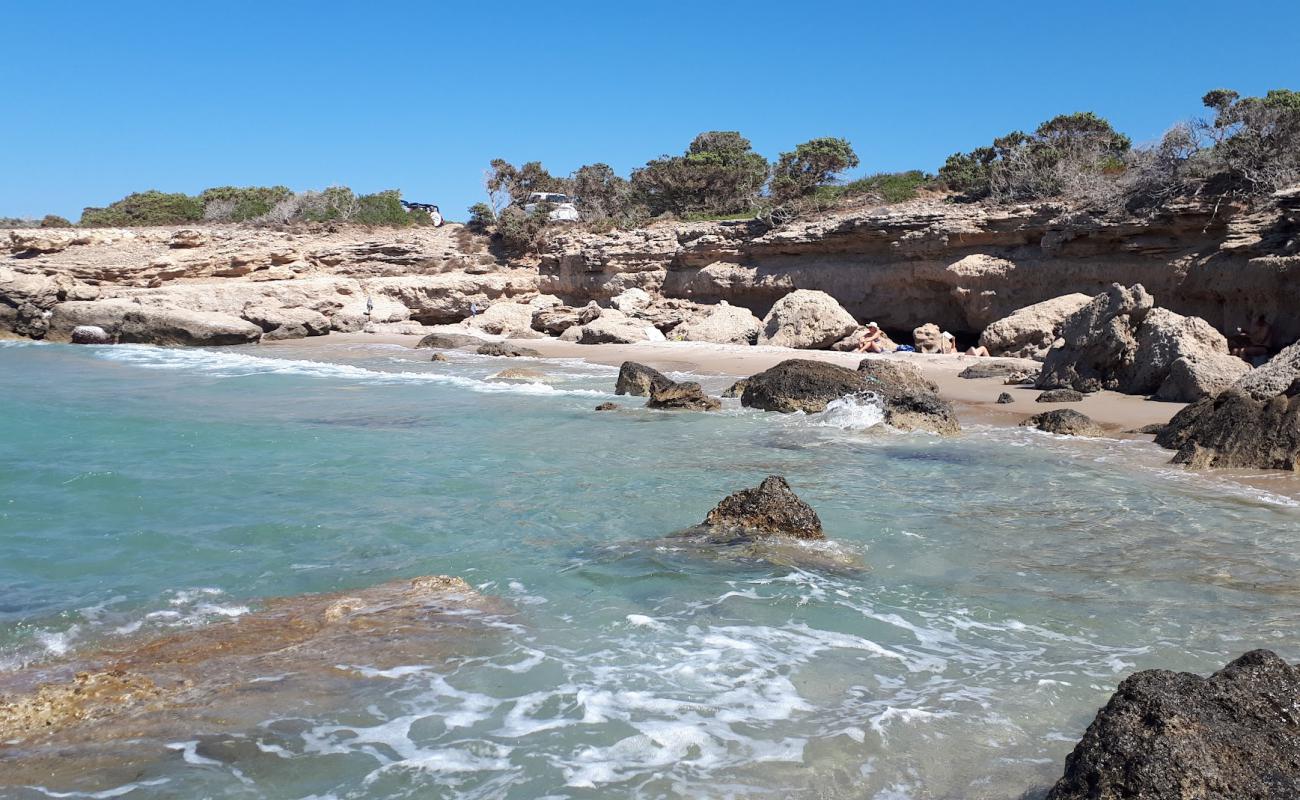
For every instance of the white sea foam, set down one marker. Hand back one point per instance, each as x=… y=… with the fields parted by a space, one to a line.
x=850 y=414
x=240 y=365
x=106 y=794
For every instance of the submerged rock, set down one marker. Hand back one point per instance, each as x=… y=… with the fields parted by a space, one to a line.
x=607 y=407
x=771 y=508
x=1059 y=396
x=736 y=389
x=1178 y=736
x=1236 y=430
x=503 y=350
x=639 y=380
x=685 y=396
x=1005 y=398
x=921 y=411
x=439 y=357
x=1065 y=421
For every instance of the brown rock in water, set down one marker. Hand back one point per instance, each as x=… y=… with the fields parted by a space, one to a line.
x=801 y=385
x=1059 y=396
x=771 y=508
x=439 y=357
x=685 y=396
x=736 y=389
x=922 y=411
x=607 y=407
x=90 y=334
x=1178 y=736
x=638 y=379
x=1236 y=430
x=94 y=721
x=1065 y=421
x=503 y=350
x=1005 y=398
x=449 y=341
x=893 y=378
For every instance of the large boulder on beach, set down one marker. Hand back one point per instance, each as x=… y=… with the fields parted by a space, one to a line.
x=927 y=338
x=1030 y=331
x=639 y=380
x=505 y=350
x=1178 y=736
x=631 y=300
x=1065 y=421
x=721 y=324
x=511 y=320
x=1121 y=341
x=278 y=322
x=134 y=323
x=771 y=508
x=615 y=327
x=801 y=385
x=685 y=396
x=449 y=341
x=555 y=320
x=1205 y=375
x=1235 y=430
x=1274 y=376
x=807 y=319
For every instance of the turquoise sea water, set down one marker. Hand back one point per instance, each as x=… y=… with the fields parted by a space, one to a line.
x=1009 y=578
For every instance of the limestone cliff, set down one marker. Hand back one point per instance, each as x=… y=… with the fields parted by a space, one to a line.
x=961 y=266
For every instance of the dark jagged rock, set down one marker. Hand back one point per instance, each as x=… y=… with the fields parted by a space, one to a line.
x=801 y=385
x=923 y=411
x=894 y=378
x=607 y=407
x=439 y=357
x=1005 y=398
x=638 y=379
x=1178 y=736
x=1059 y=396
x=449 y=341
x=771 y=508
x=1235 y=430
x=685 y=396
x=1153 y=429
x=1064 y=421
x=503 y=350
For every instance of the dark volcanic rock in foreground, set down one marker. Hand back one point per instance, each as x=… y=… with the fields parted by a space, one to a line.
x=799 y=384
x=1235 y=430
x=639 y=380
x=771 y=508
x=1178 y=736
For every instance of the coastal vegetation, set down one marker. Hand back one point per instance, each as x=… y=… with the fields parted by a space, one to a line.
x=268 y=205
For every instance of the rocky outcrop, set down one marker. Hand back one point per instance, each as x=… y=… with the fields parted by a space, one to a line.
x=187 y=238
x=1064 y=421
x=801 y=385
x=721 y=324
x=890 y=378
x=685 y=396
x=614 y=327
x=449 y=341
x=1174 y=736
x=807 y=320
x=1273 y=377
x=504 y=350
x=1235 y=430
x=1059 y=396
x=555 y=320
x=1011 y=371
x=1205 y=375
x=135 y=323
x=770 y=509
x=639 y=380
x=511 y=320
x=923 y=411
x=1030 y=331
x=1121 y=341
x=961 y=266
x=287 y=323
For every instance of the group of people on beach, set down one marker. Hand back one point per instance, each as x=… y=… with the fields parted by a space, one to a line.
x=874 y=340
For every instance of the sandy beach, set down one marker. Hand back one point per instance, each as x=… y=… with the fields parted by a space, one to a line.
x=975 y=399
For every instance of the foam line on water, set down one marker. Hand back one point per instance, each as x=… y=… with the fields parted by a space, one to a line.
x=241 y=365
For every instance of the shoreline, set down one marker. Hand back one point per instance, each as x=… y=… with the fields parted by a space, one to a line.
x=974 y=398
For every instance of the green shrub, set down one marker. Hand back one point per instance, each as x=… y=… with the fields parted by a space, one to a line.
x=890 y=187
x=55 y=221
x=481 y=217
x=520 y=232
x=812 y=164
x=382 y=208
x=719 y=174
x=146 y=208
x=239 y=204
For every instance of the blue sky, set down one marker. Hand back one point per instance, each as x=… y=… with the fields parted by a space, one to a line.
x=105 y=98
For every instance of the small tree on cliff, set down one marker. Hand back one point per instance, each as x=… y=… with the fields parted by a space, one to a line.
x=509 y=185
x=812 y=164
x=598 y=192
x=1255 y=141
x=718 y=174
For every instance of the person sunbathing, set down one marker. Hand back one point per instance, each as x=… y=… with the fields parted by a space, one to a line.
x=978 y=350
x=875 y=341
